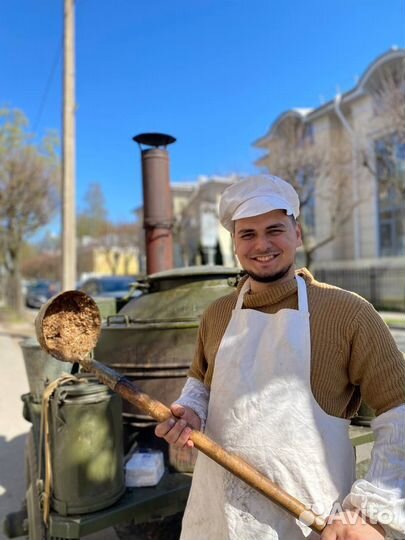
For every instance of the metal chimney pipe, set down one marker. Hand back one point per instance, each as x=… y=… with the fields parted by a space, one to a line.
x=157 y=201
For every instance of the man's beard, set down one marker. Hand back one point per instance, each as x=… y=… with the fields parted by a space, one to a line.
x=269 y=278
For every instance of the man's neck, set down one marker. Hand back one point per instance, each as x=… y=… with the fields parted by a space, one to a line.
x=260 y=286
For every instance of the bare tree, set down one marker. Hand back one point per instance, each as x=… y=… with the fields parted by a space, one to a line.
x=385 y=159
x=318 y=172
x=29 y=177
x=92 y=221
x=118 y=242
x=121 y=246
x=130 y=240
x=388 y=92
x=42 y=265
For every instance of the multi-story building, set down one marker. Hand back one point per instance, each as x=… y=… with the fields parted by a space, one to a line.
x=199 y=237
x=356 y=156
x=105 y=260
x=347 y=160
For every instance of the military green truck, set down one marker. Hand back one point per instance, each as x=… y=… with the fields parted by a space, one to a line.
x=92 y=433
x=88 y=433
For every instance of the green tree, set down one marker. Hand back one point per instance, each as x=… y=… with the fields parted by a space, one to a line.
x=29 y=194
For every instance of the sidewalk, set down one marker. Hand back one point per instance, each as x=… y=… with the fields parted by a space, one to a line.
x=13 y=427
x=18 y=328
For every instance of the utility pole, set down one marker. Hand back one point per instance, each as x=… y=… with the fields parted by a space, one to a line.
x=69 y=152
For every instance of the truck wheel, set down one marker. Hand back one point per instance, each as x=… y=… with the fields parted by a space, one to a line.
x=36 y=527
x=168 y=528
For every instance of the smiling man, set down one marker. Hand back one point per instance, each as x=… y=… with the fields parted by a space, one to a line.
x=266 y=245
x=280 y=367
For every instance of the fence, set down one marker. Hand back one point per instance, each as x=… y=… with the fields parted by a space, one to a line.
x=383 y=287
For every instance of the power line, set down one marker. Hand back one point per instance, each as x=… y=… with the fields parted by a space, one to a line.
x=48 y=86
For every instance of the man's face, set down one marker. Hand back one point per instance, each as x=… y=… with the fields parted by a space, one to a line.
x=265 y=245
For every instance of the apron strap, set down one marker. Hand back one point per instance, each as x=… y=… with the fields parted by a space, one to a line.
x=245 y=288
x=302 y=294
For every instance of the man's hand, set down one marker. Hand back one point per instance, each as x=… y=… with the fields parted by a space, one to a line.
x=177 y=429
x=351 y=525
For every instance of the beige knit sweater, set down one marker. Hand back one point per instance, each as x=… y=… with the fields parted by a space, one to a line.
x=353 y=354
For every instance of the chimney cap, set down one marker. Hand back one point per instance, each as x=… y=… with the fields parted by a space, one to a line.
x=154 y=139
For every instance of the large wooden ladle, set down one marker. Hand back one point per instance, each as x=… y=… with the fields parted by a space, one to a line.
x=68 y=327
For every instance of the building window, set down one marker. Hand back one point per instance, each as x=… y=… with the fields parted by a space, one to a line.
x=390 y=168
x=306 y=189
x=308 y=135
x=308 y=216
x=304 y=135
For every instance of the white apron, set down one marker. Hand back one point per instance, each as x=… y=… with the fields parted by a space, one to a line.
x=261 y=407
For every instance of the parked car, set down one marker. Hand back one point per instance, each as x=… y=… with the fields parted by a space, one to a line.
x=39 y=292
x=115 y=287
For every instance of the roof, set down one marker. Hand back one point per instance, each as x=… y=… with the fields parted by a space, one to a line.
x=297 y=112
x=394 y=54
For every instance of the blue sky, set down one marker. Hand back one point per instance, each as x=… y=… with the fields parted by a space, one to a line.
x=213 y=73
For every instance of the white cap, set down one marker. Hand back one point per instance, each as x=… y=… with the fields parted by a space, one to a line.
x=255 y=196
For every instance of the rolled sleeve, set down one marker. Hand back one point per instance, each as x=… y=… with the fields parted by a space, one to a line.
x=381 y=495
x=196 y=396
